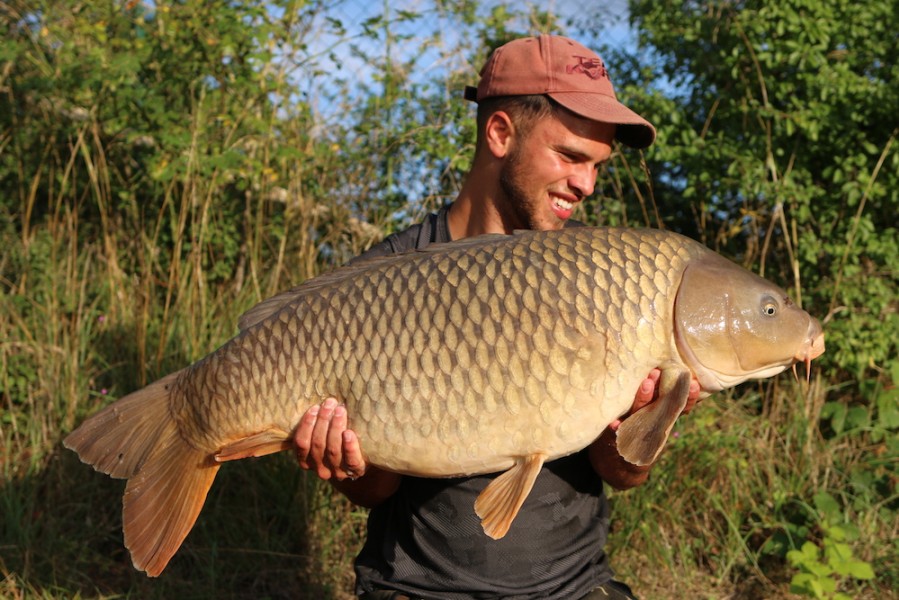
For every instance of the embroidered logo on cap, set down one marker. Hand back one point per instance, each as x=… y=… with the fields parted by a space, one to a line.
x=592 y=67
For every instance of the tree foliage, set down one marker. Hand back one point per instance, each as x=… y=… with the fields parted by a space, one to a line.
x=163 y=165
x=777 y=144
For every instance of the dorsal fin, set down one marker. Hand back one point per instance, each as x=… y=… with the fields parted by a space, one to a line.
x=270 y=306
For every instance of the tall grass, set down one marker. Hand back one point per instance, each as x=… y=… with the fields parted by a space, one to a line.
x=93 y=308
x=731 y=493
x=129 y=251
x=735 y=489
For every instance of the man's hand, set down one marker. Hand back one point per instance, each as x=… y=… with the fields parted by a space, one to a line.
x=649 y=392
x=603 y=453
x=326 y=446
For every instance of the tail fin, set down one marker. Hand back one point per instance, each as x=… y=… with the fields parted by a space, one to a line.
x=136 y=438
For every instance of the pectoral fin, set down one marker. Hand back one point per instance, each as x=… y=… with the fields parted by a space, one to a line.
x=498 y=504
x=259 y=444
x=642 y=436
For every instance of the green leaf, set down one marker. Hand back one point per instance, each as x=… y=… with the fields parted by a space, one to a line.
x=836 y=413
x=888 y=408
x=860 y=570
x=858 y=417
x=828 y=506
x=837 y=551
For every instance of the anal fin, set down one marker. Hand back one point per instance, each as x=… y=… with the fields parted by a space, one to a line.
x=498 y=504
x=259 y=444
x=642 y=435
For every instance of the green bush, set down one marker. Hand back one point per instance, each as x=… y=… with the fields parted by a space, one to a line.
x=162 y=168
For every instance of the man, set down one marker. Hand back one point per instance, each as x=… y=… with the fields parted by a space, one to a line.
x=547 y=117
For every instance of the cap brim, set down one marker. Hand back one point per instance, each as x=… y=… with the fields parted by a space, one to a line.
x=632 y=129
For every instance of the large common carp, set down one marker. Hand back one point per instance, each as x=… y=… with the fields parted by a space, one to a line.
x=494 y=353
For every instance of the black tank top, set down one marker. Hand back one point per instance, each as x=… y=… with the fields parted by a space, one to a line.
x=426 y=540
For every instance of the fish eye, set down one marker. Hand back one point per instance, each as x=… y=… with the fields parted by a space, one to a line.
x=769 y=309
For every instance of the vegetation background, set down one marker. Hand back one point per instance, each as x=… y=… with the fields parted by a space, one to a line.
x=165 y=165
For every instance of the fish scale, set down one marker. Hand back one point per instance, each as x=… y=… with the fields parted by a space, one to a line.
x=533 y=333
x=495 y=353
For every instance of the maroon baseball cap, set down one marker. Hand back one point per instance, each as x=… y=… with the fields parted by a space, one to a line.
x=567 y=72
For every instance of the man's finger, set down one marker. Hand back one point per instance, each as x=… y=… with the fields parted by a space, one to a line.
x=320 y=438
x=693 y=396
x=322 y=424
x=354 y=463
x=334 y=441
x=645 y=394
x=302 y=438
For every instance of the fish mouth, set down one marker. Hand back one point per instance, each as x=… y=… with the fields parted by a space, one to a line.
x=812 y=349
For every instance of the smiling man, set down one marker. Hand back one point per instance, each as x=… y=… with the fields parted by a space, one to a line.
x=547 y=119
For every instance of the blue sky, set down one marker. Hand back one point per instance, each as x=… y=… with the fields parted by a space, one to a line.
x=339 y=55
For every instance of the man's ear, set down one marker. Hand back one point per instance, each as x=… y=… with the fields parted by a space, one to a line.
x=499 y=132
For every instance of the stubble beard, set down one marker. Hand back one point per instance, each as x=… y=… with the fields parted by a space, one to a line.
x=519 y=204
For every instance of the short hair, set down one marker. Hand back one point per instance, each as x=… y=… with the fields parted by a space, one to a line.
x=523 y=110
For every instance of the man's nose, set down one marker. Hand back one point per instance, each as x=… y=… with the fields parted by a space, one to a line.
x=583 y=180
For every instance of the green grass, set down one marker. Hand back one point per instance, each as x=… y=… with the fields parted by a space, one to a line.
x=732 y=495
x=76 y=334
x=259 y=536
x=143 y=211
x=735 y=491
x=86 y=317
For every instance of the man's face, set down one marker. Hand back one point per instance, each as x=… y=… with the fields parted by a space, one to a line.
x=552 y=168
